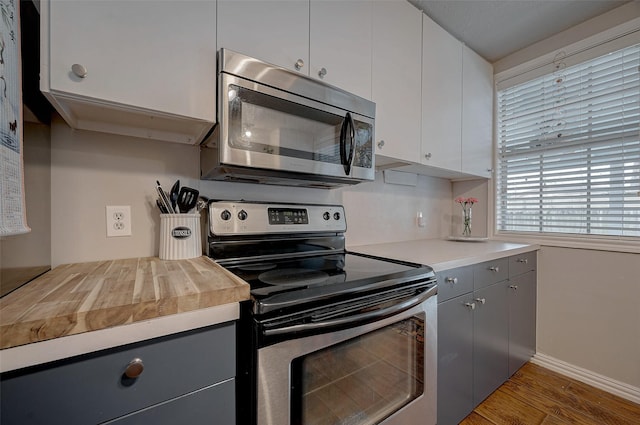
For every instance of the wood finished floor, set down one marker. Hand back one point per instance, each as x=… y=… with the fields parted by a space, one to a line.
x=535 y=395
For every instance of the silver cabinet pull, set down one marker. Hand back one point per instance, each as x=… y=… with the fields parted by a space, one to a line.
x=134 y=368
x=380 y=144
x=322 y=72
x=471 y=306
x=481 y=300
x=452 y=280
x=79 y=70
x=427 y=155
x=523 y=260
x=494 y=269
x=299 y=64
x=514 y=287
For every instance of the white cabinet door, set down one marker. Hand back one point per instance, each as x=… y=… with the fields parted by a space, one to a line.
x=340 y=44
x=477 y=114
x=152 y=58
x=396 y=79
x=441 y=97
x=274 y=31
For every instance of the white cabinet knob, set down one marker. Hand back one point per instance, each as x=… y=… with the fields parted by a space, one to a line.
x=299 y=64
x=481 y=300
x=322 y=72
x=471 y=306
x=452 y=280
x=79 y=70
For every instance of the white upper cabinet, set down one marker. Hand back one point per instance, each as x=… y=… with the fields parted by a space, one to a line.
x=138 y=68
x=457 y=106
x=477 y=114
x=396 y=80
x=441 y=97
x=274 y=31
x=340 y=44
x=326 y=40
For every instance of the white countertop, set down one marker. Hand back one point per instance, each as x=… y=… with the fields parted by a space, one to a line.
x=443 y=254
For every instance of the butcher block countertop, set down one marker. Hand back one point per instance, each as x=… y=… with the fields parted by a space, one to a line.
x=79 y=308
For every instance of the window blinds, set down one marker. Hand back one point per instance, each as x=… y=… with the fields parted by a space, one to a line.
x=569 y=149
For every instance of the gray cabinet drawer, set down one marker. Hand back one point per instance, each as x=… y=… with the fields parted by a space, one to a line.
x=489 y=272
x=454 y=282
x=211 y=405
x=92 y=388
x=522 y=263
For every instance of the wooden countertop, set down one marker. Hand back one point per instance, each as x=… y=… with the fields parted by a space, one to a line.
x=78 y=298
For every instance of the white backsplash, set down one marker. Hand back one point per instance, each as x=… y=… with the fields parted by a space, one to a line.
x=92 y=170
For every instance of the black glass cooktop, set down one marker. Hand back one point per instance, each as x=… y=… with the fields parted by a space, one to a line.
x=294 y=281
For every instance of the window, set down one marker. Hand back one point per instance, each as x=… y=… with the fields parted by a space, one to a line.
x=569 y=149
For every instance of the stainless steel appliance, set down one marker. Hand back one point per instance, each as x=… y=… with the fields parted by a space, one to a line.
x=329 y=336
x=278 y=126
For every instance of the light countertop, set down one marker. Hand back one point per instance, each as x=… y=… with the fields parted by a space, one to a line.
x=444 y=254
x=80 y=308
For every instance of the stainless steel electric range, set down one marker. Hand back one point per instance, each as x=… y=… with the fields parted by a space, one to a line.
x=329 y=336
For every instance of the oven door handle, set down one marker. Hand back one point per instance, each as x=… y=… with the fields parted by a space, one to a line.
x=362 y=318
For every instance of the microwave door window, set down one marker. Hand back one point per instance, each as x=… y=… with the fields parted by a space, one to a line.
x=267 y=124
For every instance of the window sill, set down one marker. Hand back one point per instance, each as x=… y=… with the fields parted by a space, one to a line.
x=593 y=243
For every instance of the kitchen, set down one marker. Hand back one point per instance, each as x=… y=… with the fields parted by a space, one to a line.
x=108 y=169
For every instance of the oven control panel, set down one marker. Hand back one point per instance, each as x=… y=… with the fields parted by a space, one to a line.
x=237 y=218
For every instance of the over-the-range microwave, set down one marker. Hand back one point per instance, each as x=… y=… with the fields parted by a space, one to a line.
x=277 y=126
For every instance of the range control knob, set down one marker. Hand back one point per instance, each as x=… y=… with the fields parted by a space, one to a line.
x=326 y=215
x=225 y=215
x=336 y=216
x=242 y=215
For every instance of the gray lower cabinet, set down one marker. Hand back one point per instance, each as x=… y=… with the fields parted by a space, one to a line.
x=486 y=330
x=186 y=378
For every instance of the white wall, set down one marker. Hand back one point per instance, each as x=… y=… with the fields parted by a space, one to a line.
x=589 y=310
x=91 y=170
x=588 y=300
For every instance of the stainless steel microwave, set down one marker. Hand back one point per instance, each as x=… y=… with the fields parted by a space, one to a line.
x=277 y=126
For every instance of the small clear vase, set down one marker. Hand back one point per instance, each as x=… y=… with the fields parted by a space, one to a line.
x=466 y=221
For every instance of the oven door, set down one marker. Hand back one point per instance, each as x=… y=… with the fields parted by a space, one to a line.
x=382 y=372
x=268 y=128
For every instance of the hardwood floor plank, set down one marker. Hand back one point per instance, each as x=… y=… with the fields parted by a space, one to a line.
x=475 y=419
x=608 y=401
x=538 y=396
x=501 y=408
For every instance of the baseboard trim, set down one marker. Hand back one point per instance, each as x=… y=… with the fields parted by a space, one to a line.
x=602 y=382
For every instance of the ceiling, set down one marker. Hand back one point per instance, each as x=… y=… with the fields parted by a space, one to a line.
x=497 y=28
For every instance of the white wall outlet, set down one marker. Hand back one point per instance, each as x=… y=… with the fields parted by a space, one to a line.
x=118 y=220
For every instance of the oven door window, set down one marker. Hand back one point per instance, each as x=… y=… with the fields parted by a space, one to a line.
x=259 y=122
x=362 y=380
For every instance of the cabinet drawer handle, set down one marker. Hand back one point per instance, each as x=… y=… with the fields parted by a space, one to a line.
x=471 y=306
x=79 y=70
x=299 y=64
x=322 y=72
x=134 y=368
x=494 y=269
x=523 y=260
x=481 y=300
x=514 y=287
x=427 y=155
x=380 y=144
x=452 y=280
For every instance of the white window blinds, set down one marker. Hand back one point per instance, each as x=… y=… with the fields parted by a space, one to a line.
x=569 y=149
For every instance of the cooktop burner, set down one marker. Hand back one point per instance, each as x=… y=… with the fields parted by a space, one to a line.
x=293 y=277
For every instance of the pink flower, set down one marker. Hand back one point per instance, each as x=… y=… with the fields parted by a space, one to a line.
x=460 y=200
x=472 y=200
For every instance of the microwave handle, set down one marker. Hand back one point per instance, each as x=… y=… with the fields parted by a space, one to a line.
x=347 y=131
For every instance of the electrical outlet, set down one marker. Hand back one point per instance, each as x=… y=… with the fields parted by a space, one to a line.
x=118 y=220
